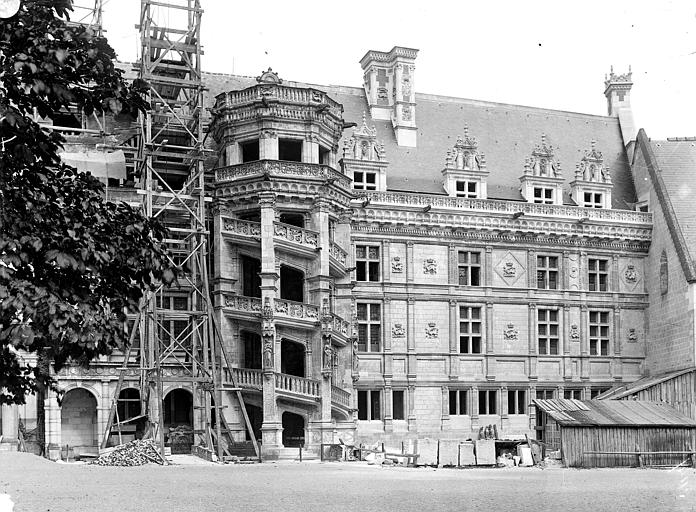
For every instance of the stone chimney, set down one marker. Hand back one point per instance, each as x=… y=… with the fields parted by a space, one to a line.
x=618 y=93
x=389 y=85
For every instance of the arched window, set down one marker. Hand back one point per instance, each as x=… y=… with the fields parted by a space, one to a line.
x=664 y=273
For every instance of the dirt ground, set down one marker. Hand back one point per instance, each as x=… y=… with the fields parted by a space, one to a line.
x=36 y=485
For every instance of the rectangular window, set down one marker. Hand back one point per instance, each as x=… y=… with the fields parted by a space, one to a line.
x=290 y=150
x=398 y=405
x=369 y=405
x=459 y=402
x=363 y=180
x=467 y=189
x=369 y=327
x=572 y=394
x=469 y=268
x=543 y=195
x=599 y=333
x=173 y=320
x=547 y=331
x=366 y=263
x=545 y=394
x=469 y=330
x=488 y=401
x=547 y=272
x=517 y=401
x=250 y=151
x=592 y=200
x=598 y=275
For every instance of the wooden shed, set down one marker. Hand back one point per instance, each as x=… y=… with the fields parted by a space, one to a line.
x=609 y=433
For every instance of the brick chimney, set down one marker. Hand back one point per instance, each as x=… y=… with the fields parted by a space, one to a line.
x=389 y=85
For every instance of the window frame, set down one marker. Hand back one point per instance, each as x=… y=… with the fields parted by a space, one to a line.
x=455 y=402
x=470 y=268
x=490 y=400
x=599 y=344
x=547 y=338
x=401 y=392
x=365 y=264
x=466 y=192
x=517 y=397
x=370 y=405
x=364 y=183
x=572 y=393
x=470 y=334
x=543 y=197
x=369 y=323
x=594 y=270
x=592 y=202
x=548 y=271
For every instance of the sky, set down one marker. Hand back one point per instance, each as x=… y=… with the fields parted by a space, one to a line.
x=550 y=54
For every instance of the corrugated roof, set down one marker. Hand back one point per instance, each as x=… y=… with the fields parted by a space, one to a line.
x=506 y=134
x=634 y=387
x=613 y=413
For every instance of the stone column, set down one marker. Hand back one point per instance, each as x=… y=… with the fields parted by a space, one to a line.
x=53 y=425
x=445 y=424
x=268 y=145
x=616 y=366
x=584 y=342
x=412 y=408
x=104 y=408
x=490 y=348
x=453 y=265
x=411 y=338
x=409 y=262
x=564 y=331
x=386 y=268
x=387 y=348
x=474 y=408
x=388 y=407
x=487 y=274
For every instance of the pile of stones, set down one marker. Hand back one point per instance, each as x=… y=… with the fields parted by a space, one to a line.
x=135 y=453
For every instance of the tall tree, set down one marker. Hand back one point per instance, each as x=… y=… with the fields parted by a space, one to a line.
x=72 y=265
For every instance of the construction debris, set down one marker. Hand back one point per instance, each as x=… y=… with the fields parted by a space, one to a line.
x=135 y=453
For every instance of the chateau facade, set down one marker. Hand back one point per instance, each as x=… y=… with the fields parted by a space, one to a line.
x=387 y=265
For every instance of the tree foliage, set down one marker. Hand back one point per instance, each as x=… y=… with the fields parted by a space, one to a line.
x=71 y=264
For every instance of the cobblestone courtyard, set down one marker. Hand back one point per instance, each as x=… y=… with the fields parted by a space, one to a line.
x=38 y=485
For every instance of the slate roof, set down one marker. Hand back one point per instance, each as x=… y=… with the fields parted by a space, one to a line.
x=613 y=413
x=506 y=134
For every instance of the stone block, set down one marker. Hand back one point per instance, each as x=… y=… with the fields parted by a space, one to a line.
x=427 y=452
x=466 y=454
x=485 y=452
x=449 y=452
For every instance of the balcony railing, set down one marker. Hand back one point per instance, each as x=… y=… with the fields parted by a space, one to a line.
x=281 y=169
x=297 y=385
x=248 y=379
x=307 y=238
x=341 y=326
x=242 y=303
x=340 y=396
x=507 y=207
x=337 y=253
x=292 y=309
x=241 y=227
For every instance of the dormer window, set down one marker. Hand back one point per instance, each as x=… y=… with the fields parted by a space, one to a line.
x=593 y=200
x=542 y=182
x=543 y=195
x=364 y=180
x=465 y=170
x=592 y=185
x=467 y=189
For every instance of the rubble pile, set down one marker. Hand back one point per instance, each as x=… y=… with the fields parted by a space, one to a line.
x=135 y=453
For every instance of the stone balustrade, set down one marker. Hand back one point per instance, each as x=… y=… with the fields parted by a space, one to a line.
x=340 y=396
x=507 y=207
x=304 y=237
x=297 y=385
x=292 y=309
x=241 y=227
x=338 y=253
x=283 y=169
x=341 y=326
x=248 y=379
x=242 y=303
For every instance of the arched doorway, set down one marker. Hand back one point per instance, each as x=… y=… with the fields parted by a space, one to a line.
x=293 y=430
x=178 y=420
x=292 y=358
x=78 y=421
